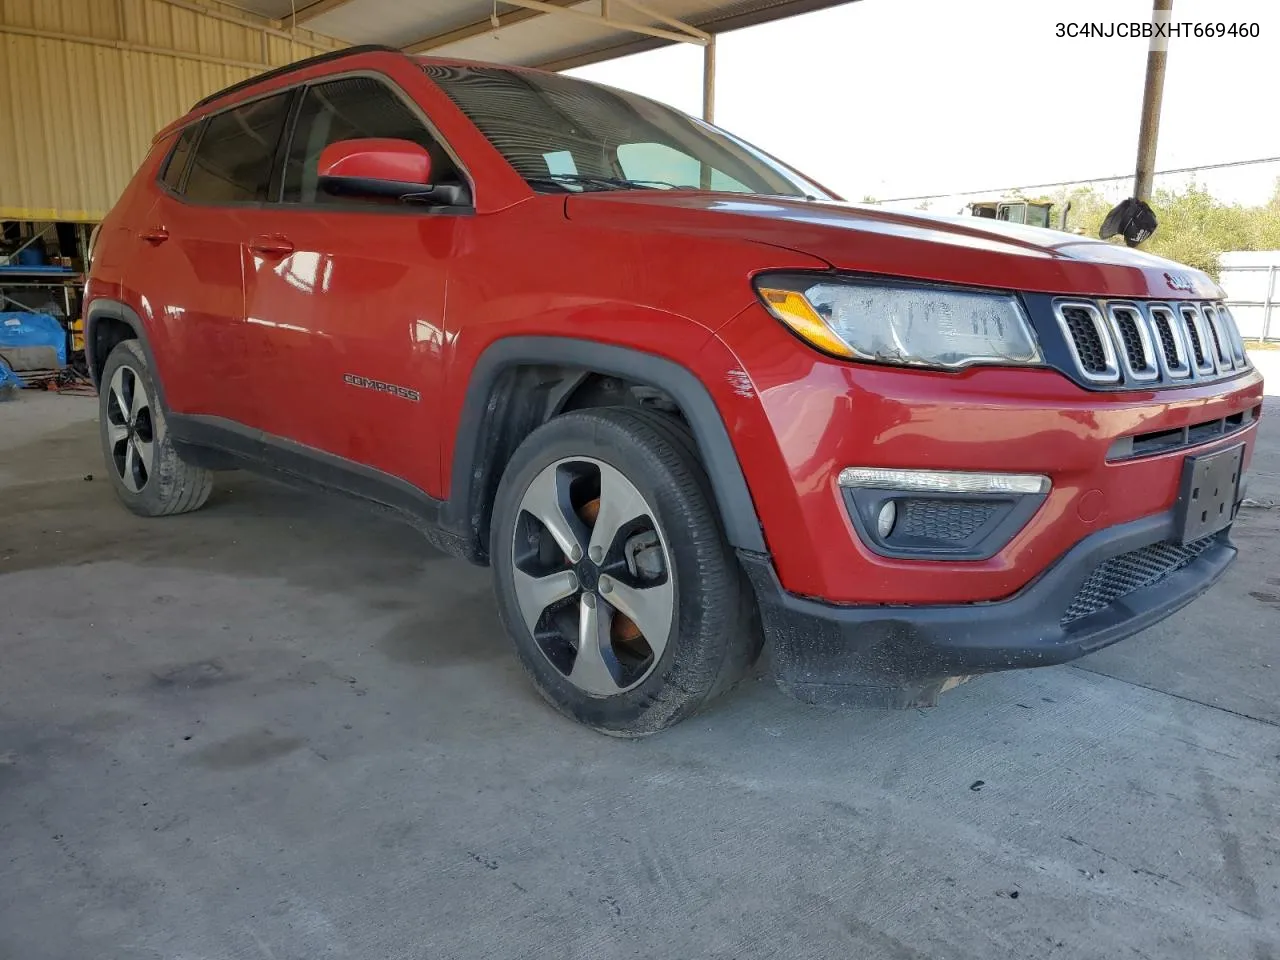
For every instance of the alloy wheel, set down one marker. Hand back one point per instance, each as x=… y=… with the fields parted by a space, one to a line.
x=592 y=575
x=130 y=428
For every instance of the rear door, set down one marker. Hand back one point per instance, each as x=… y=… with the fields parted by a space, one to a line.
x=190 y=270
x=345 y=295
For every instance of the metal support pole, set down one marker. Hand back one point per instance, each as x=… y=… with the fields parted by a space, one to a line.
x=708 y=101
x=1268 y=304
x=709 y=81
x=1152 y=94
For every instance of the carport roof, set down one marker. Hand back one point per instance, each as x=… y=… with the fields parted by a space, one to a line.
x=553 y=34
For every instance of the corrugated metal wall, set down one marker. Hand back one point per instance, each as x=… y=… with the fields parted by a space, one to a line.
x=85 y=84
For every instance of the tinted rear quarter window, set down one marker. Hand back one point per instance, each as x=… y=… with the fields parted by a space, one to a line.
x=176 y=165
x=233 y=161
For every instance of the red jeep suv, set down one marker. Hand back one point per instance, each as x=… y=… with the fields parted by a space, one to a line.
x=680 y=398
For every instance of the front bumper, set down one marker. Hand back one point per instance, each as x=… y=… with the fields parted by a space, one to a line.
x=806 y=417
x=902 y=656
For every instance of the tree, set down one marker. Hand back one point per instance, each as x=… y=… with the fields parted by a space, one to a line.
x=1195 y=228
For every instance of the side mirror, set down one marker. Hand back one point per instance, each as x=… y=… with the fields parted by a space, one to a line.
x=382 y=167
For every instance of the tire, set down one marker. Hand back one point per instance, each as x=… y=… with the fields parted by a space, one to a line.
x=690 y=629
x=148 y=475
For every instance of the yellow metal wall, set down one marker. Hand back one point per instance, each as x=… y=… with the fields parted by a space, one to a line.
x=77 y=115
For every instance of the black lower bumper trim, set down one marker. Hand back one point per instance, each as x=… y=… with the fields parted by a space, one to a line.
x=905 y=655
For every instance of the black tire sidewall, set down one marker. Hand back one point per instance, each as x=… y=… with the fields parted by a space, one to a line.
x=703 y=570
x=150 y=500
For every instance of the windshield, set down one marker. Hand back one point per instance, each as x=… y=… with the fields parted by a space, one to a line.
x=569 y=136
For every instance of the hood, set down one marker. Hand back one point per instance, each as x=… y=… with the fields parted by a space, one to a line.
x=921 y=246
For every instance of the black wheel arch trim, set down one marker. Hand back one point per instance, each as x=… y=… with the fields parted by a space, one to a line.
x=115 y=310
x=469 y=476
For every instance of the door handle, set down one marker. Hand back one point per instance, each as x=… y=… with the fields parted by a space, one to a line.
x=271 y=246
x=155 y=235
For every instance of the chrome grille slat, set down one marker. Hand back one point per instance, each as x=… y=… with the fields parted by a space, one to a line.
x=1172 y=346
x=1134 y=340
x=1233 y=334
x=1198 y=337
x=1088 y=339
x=1221 y=350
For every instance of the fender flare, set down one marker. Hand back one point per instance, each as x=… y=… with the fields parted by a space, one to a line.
x=733 y=497
x=115 y=310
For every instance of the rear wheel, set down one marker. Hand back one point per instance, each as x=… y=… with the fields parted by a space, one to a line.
x=146 y=471
x=613 y=577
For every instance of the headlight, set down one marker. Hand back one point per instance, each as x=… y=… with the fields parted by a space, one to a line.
x=916 y=325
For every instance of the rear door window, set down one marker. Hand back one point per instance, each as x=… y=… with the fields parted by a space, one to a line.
x=234 y=159
x=352 y=108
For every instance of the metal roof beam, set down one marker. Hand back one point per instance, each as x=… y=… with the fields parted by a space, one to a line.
x=599 y=20
x=717 y=25
x=130 y=47
x=479 y=28
x=270 y=28
x=313 y=10
x=646 y=10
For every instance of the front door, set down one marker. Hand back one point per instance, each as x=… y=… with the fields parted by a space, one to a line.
x=345 y=296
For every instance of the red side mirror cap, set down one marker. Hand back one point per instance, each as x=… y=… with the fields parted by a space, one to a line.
x=377 y=159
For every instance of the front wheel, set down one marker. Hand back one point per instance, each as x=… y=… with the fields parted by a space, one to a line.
x=613 y=576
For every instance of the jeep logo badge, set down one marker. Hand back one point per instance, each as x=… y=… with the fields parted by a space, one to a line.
x=1180 y=281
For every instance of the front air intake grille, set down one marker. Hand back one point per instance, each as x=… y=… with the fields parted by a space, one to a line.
x=1212 y=319
x=1232 y=334
x=1172 y=353
x=1191 y=320
x=1221 y=339
x=1127 y=322
x=1135 y=342
x=945 y=520
x=1176 y=438
x=1122 y=575
x=1164 y=329
x=1087 y=338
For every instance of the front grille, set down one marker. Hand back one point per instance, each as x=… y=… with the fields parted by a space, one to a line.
x=1087 y=339
x=1118 y=344
x=1122 y=575
x=947 y=520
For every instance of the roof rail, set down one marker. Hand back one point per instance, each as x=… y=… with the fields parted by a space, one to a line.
x=296 y=65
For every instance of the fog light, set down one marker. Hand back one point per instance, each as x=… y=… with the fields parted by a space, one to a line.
x=884 y=521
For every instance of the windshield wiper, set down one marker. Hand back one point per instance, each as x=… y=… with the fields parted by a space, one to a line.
x=601 y=183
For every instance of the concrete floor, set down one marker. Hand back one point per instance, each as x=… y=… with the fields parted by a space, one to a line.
x=283 y=728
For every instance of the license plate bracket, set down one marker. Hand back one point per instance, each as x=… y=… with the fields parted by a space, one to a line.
x=1209 y=493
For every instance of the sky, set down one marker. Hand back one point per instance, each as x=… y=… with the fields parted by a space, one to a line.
x=894 y=98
